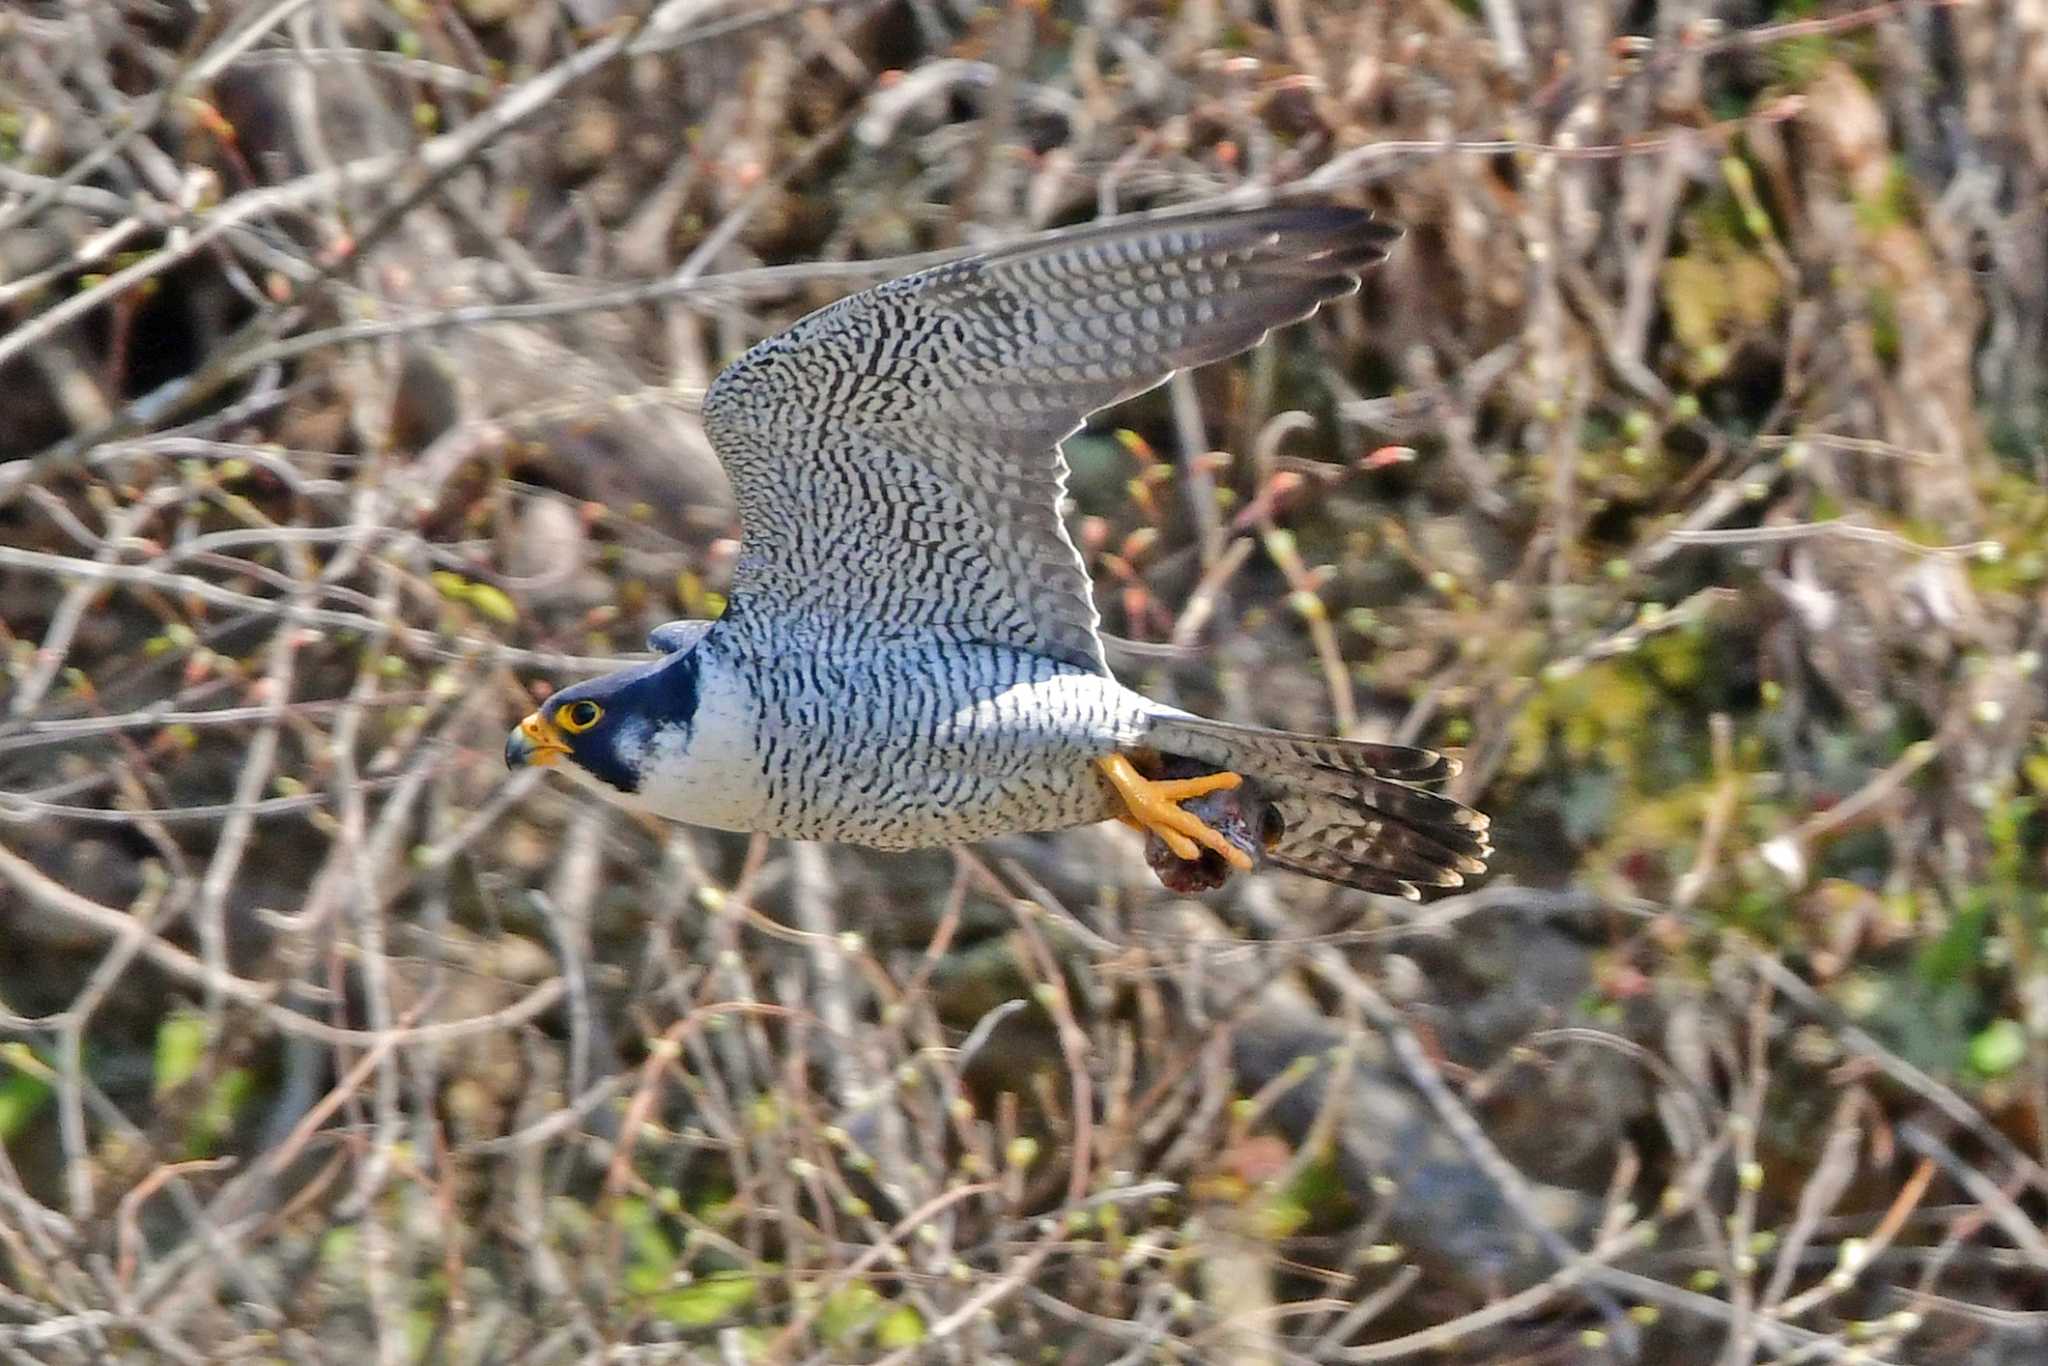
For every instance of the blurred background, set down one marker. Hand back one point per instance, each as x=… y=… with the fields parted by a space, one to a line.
x=1683 y=471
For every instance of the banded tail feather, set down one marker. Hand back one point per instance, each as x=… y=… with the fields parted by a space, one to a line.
x=1348 y=811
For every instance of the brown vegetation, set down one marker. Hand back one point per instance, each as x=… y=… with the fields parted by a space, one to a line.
x=1683 y=470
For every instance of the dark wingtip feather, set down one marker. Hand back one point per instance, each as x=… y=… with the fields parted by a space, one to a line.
x=1325 y=239
x=1323 y=216
x=1359 y=227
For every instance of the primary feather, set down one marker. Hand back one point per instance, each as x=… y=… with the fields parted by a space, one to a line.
x=896 y=455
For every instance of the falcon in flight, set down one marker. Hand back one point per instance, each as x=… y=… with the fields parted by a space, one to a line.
x=909 y=656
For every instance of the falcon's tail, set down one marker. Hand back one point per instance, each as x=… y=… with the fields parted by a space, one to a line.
x=1348 y=812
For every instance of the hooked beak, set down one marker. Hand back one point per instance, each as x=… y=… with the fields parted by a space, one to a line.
x=534 y=743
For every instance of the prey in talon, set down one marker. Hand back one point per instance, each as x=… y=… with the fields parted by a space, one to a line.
x=909 y=656
x=1236 y=813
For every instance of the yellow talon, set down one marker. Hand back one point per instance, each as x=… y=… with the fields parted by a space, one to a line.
x=1154 y=807
x=1179 y=845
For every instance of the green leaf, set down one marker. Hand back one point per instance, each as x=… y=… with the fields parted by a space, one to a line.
x=854 y=1312
x=900 y=1327
x=215 y=1116
x=493 y=603
x=651 y=1261
x=180 y=1047
x=708 y=1300
x=846 y=1312
x=1281 y=1217
x=1998 y=1048
x=340 y=1249
x=21 y=1096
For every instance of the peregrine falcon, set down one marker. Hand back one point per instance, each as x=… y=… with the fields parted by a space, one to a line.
x=909 y=655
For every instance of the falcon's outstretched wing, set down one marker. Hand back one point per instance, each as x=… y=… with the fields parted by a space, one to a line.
x=896 y=455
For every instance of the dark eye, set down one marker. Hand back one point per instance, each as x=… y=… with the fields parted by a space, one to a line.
x=579 y=716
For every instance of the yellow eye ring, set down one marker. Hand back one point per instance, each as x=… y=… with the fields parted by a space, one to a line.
x=578 y=717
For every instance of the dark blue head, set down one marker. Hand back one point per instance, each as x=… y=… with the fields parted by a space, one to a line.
x=606 y=726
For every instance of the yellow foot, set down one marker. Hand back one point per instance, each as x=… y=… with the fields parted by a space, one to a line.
x=1153 y=805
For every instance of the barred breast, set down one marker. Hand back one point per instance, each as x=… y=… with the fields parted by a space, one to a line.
x=914 y=746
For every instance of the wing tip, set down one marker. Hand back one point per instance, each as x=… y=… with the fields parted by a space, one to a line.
x=1335 y=237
